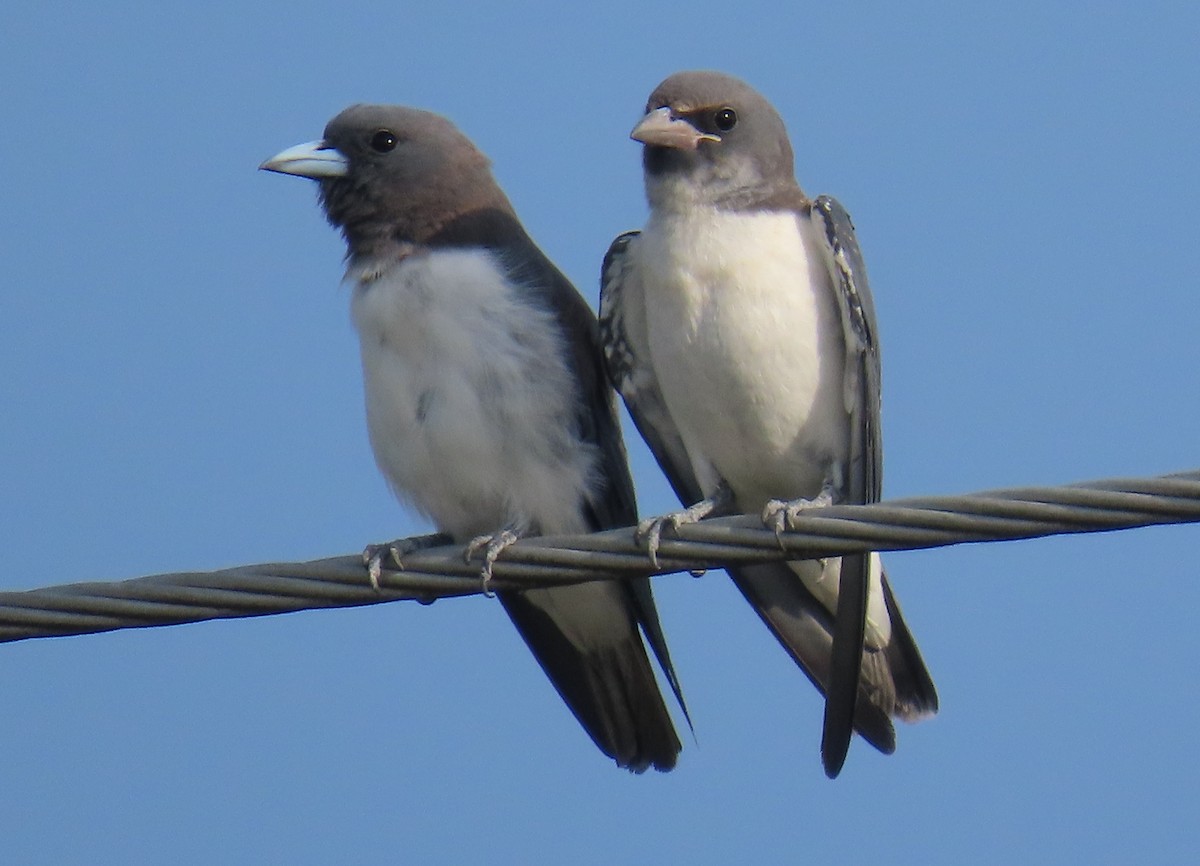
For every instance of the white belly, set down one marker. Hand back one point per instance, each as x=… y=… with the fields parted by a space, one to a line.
x=744 y=335
x=469 y=402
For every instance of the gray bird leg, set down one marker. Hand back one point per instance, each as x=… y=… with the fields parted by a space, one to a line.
x=394 y=551
x=781 y=514
x=650 y=531
x=492 y=546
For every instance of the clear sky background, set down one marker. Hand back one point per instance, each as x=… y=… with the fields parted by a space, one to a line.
x=179 y=389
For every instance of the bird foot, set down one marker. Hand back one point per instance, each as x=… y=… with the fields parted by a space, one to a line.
x=649 y=532
x=390 y=554
x=781 y=514
x=492 y=546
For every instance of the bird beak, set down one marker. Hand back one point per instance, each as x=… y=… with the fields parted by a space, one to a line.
x=661 y=128
x=314 y=159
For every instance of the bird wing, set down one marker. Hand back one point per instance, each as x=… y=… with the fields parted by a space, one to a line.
x=861 y=477
x=621 y=687
x=627 y=359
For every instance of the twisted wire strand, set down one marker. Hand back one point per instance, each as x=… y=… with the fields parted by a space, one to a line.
x=900 y=524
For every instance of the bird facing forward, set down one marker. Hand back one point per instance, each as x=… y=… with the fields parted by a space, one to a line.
x=740 y=330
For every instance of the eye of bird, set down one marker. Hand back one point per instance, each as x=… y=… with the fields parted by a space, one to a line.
x=383 y=141
x=725 y=119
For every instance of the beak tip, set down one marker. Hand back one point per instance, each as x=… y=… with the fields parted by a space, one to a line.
x=661 y=128
x=315 y=160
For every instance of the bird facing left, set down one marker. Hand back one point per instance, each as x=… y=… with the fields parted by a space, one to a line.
x=487 y=406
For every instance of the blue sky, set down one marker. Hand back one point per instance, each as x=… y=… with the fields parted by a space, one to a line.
x=180 y=390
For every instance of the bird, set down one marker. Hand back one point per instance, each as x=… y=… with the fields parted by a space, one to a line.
x=739 y=329
x=487 y=405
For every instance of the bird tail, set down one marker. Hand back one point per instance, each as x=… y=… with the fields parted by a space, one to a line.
x=916 y=696
x=587 y=641
x=894 y=680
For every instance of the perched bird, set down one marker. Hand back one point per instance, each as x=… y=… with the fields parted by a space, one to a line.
x=486 y=399
x=739 y=328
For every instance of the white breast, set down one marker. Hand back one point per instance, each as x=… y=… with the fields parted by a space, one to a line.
x=744 y=335
x=469 y=401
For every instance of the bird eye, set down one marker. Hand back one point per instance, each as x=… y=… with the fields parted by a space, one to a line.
x=383 y=141
x=725 y=119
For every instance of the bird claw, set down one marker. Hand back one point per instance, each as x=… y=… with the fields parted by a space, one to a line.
x=650 y=531
x=780 y=515
x=492 y=546
x=375 y=555
x=774 y=517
